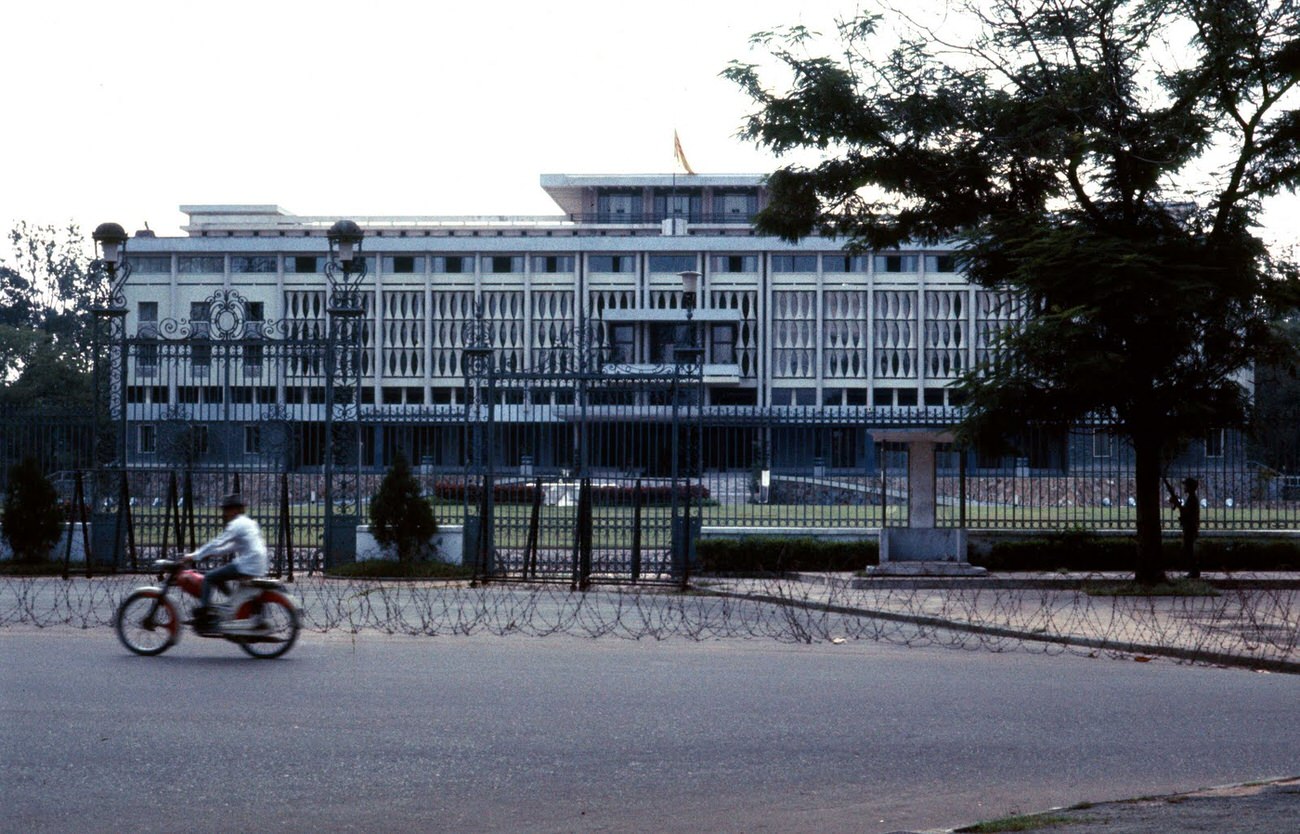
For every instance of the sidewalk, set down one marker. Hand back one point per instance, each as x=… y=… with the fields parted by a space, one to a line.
x=1251 y=622
x=1271 y=807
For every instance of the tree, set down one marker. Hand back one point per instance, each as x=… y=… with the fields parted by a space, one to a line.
x=1102 y=160
x=400 y=517
x=47 y=287
x=32 y=520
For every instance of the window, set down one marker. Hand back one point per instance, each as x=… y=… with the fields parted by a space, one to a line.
x=623 y=341
x=614 y=207
x=672 y=263
x=553 y=263
x=612 y=263
x=305 y=264
x=146 y=356
x=663 y=342
x=252 y=359
x=723 y=337
x=794 y=263
x=147 y=319
x=252 y=440
x=403 y=264
x=1101 y=443
x=500 y=264
x=151 y=264
x=678 y=204
x=197 y=264
x=452 y=264
x=252 y=263
x=200 y=319
x=940 y=263
x=734 y=263
x=200 y=359
x=737 y=206
x=1214 y=443
x=147 y=439
x=895 y=263
x=844 y=263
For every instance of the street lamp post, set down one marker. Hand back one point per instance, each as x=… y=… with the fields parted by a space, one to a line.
x=109 y=373
x=690 y=357
x=345 y=269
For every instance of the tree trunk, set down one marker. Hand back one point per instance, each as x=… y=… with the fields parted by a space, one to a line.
x=1150 y=557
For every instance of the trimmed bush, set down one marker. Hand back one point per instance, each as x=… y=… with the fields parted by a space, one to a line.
x=399 y=516
x=1086 y=552
x=767 y=555
x=33 y=517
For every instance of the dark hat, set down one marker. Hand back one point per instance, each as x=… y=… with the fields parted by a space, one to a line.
x=1190 y=483
x=234 y=499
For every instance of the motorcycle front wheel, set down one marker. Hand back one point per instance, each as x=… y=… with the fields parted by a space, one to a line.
x=144 y=632
x=273 y=628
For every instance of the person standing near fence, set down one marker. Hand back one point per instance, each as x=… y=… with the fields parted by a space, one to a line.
x=1189 y=519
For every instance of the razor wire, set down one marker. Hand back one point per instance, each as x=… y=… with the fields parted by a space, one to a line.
x=1247 y=624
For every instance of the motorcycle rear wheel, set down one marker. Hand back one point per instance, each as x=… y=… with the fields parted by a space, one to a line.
x=277 y=626
x=135 y=630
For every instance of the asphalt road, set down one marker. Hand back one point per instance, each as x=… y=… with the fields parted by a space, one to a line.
x=566 y=734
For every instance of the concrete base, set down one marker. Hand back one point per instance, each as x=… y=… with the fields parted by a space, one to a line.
x=926 y=569
x=922 y=544
x=448 y=544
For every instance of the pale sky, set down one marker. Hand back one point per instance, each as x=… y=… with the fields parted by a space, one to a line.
x=124 y=111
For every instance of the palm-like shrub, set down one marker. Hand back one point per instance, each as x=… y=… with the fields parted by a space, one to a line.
x=399 y=516
x=32 y=519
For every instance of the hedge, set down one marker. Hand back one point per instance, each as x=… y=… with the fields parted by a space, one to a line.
x=612 y=495
x=770 y=554
x=1087 y=552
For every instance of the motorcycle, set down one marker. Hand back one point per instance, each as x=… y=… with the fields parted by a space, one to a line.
x=259 y=616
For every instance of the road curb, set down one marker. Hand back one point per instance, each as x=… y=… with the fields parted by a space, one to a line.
x=1143 y=649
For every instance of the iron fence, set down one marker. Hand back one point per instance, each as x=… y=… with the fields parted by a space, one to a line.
x=792 y=469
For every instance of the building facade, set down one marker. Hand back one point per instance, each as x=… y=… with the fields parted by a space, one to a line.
x=845 y=340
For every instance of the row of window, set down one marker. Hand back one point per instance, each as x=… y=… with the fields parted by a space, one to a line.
x=455 y=264
x=1103 y=443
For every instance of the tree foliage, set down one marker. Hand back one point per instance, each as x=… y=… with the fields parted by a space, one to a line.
x=32 y=520
x=400 y=517
x=1103 y=161
x=47 y=287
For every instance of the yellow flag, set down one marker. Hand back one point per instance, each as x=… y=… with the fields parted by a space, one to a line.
x=681 y=157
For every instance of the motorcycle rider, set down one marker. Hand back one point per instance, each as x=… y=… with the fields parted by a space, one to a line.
x=242 y=541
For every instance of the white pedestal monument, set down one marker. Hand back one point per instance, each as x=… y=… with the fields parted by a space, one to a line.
x=921 y=548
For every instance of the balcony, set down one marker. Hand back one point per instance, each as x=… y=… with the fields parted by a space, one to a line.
x=656 y=218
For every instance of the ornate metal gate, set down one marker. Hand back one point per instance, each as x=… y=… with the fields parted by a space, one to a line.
x=226 y=400
x=582 y=469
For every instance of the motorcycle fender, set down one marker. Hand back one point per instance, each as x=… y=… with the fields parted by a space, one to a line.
x=190 y=581
x=288 y=597
x=268 y=594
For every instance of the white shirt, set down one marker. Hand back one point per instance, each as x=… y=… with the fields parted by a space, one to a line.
x=242 y=538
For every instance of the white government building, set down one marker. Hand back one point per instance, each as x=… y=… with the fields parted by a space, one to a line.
x=780 y=324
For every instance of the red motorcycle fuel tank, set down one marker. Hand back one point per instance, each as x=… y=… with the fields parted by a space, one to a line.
x=191 y=582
